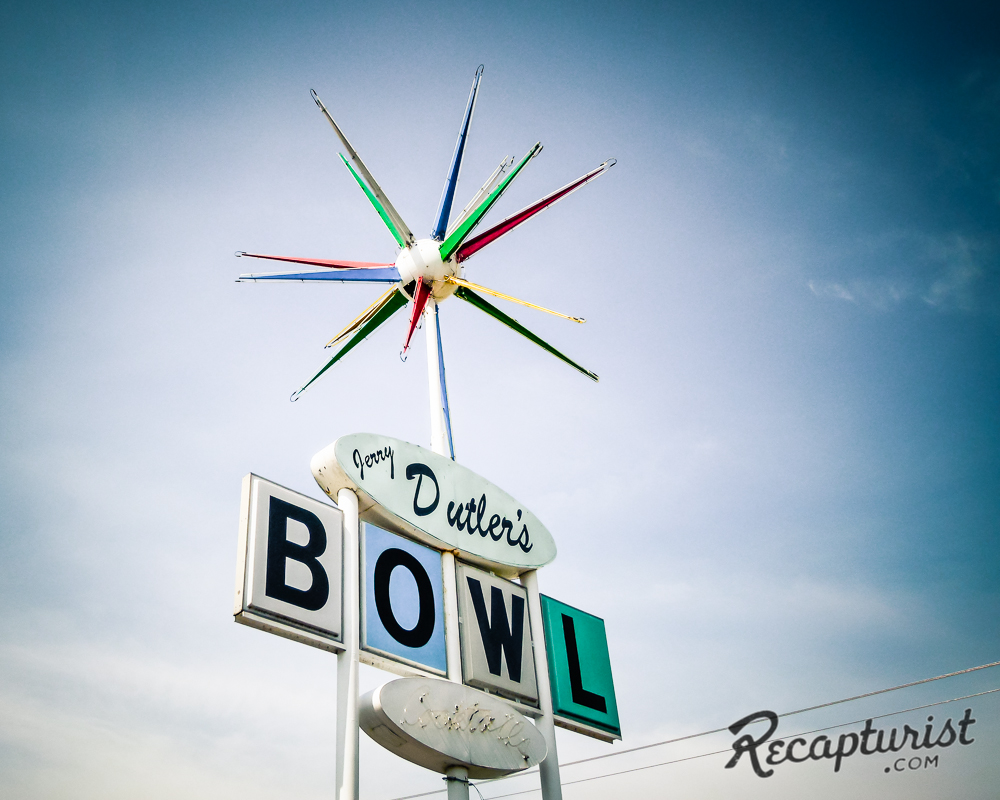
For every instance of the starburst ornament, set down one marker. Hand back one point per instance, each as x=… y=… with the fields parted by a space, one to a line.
x=428 y=271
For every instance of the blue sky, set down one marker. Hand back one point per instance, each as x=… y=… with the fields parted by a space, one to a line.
x=784 y=490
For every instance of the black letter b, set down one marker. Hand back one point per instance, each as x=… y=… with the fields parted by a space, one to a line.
x=279 y=549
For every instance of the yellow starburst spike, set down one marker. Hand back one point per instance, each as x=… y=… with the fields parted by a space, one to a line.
x=502 y=296
x=365 y=315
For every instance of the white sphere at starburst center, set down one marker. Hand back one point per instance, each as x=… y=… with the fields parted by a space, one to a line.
x=422 y=261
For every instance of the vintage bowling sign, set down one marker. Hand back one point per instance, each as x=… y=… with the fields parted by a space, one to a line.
x=415 y=504
x=402 y=601
x=579 y=668
x=288 y=577
x=435 y=500
x=496 y=638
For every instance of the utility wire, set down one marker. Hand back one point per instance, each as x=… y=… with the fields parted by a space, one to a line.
x=893 y=689
x=786 y=714
x=720 y=730
x=729 y=749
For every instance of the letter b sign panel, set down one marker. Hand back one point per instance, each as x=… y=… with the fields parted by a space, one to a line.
x=289 y=579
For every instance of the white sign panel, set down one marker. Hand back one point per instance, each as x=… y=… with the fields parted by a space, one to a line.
x=496 y=637
x=289 y=578
x=432 y=498
x=439 y=724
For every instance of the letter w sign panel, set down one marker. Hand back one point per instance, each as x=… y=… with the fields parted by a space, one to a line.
x=496 y=637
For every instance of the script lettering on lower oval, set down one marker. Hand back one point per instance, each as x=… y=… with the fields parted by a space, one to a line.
x=438 y=724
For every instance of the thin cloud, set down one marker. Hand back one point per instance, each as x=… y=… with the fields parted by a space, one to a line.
x=953 y=273
x=882 y=295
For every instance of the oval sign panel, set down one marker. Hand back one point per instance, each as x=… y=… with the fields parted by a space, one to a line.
x=439 y=724
x=432 y=498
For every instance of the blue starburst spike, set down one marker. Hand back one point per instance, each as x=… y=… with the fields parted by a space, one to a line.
x=448 y=193
x=444 y=384
x=378 y=275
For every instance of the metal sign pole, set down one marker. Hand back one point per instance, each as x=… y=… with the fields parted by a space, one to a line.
x=549 y=768
x=440 y=417
x=456 y=777
x=347 y=660
x=453 y=648
x=440 y=444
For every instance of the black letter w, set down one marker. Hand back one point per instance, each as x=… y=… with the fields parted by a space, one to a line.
x=499 y=638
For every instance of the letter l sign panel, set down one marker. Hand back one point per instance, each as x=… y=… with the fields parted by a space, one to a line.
x=579 y=666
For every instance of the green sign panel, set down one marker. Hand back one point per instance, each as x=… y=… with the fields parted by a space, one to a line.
x=579 y=666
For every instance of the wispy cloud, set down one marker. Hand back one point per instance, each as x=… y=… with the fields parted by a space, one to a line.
x=957 y=286
x=950 y=273
x=879 y=294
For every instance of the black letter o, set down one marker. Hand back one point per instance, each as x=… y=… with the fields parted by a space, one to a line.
x=420 y=634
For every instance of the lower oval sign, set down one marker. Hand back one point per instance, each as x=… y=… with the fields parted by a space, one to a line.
x=439 y=724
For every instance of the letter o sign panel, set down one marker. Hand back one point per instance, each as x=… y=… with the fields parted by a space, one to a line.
x=402 y=607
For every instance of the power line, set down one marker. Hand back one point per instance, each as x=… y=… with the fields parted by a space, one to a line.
x=893 y=689
x=729 y=749
x=786 y=714
x=720 y=730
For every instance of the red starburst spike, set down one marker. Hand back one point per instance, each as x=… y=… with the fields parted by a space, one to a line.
x=478 y=242
x=420 y=295
x=318 y=262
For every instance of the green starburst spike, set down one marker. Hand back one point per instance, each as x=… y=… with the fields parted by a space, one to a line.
x=395 y=302
x=374 y=201
x=483 y=305
x=454 y=241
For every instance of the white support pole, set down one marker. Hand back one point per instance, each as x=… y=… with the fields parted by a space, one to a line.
x=439 y=444
x=458 y=783
x=453 y=648
x=347 y=660
x=549 y=768
x=457 y=777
